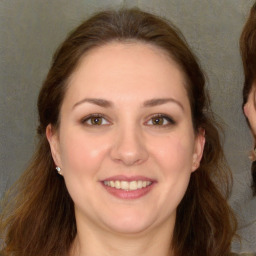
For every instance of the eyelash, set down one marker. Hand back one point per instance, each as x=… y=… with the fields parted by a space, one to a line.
x=89 y=117
x=169 y=121
x=166 y=120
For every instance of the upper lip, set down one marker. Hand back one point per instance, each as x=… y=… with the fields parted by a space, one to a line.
x=126 y=178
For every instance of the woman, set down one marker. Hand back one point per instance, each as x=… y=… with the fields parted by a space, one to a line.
x=248 y=53
x=125 y=119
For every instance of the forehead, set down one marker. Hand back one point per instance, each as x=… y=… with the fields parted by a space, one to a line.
x=126 y=52
x=127 y=67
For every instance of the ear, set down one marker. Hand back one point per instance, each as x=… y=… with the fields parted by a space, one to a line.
x=198 y=149
x=53 y=139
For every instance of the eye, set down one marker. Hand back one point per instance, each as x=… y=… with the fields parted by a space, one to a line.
x=95 y=120
x=160 y=120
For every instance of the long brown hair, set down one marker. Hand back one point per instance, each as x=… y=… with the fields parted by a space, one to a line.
x=248 y=53
x=40 y=219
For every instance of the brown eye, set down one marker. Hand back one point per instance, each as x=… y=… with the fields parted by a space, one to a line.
x=160 y=120
x=96 y=120
x=157 y=120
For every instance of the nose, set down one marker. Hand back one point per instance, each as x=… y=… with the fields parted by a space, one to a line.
x=129 y=147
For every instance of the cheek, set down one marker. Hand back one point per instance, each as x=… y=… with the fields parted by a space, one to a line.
x=174 y=158
x=174 y=153
x=246 y=110
x=82 y=158
x=250 y=113
x=249 y=107
x=82 y=154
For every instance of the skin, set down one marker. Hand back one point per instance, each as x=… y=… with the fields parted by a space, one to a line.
x=250 y=109
x=129 y=76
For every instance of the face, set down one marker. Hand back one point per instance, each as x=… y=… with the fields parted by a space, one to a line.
x=250 y=109
x=126 y=144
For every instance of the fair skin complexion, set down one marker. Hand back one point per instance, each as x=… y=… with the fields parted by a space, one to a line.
x=126 y=119
x=250 y=109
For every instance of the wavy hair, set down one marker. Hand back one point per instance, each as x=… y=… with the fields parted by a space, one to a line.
x=248 y=54
x=39 y=219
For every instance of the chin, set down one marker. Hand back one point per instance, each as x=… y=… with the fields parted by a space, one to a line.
x=128 y=228
x=130 y=223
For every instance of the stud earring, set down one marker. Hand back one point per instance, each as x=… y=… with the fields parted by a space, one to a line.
x=196 y=165
x=58 y=170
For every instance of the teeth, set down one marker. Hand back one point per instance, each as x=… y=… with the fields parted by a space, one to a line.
x=117 y=184
x=126 y=185
x=133 y=185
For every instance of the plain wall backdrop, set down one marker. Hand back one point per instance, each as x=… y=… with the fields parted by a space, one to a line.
x=30 y=31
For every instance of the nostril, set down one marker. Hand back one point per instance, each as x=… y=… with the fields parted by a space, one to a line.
x=129 y=158
x=129 y=147
x=129 y=155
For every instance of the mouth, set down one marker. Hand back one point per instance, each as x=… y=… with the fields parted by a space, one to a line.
x=128 y=187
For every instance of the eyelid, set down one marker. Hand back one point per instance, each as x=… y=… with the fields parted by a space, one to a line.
x=96 y=115
x=169 y=119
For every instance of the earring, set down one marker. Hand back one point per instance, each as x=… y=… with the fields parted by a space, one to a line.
x=195 y=162
x=58 y=170
x=195 y=165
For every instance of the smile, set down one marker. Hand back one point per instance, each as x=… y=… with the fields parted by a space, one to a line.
x=124 y=187
x=127 y=185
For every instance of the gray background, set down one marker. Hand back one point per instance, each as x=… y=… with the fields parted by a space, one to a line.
x=30 y=31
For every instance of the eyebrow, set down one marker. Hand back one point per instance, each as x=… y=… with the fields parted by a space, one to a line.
x=100 y=102
x=149 y=103
x=161 y=101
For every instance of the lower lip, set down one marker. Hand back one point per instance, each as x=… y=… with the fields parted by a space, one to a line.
x=131 y=194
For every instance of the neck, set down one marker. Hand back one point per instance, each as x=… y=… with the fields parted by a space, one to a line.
x=99 y=242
